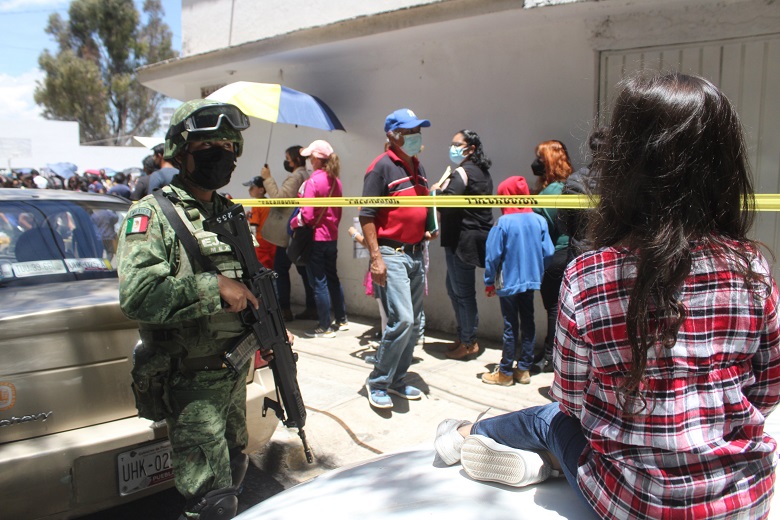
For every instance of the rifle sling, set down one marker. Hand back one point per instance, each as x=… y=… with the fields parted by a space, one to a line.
x=182 y=233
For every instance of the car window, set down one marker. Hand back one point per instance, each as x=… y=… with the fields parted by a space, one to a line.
x=45 y=241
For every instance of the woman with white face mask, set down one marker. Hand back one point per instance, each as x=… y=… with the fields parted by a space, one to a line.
x=464 y=233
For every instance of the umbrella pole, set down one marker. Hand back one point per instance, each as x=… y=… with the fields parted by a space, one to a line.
x=268 y=149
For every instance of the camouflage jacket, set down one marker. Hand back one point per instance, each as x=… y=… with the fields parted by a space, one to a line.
x=166 y=292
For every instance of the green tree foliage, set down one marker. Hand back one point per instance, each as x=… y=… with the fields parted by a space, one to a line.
x=92 y=77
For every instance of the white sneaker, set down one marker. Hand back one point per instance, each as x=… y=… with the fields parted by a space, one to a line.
x=485 y=459
x=449 y=441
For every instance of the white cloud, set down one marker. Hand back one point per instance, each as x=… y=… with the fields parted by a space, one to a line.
x=28 y=5
x=16 y=96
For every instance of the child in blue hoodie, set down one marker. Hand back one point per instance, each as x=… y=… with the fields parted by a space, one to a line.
x=518 y=247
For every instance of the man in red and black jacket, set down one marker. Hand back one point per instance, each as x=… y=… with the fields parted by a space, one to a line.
x=394 y=238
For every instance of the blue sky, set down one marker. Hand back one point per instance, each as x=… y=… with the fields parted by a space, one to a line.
x=22 y=39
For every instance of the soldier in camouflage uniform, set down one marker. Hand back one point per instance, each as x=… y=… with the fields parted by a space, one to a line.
x=188 y=317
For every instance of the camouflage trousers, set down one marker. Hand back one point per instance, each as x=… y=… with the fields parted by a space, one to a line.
x=208 y=419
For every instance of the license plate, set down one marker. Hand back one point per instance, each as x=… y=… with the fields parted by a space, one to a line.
x=144 y=467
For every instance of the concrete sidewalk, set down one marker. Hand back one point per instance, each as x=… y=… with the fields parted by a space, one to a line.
x=342 y=428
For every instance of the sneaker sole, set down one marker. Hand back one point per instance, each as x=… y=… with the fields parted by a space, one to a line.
x=404 y=396
x=376 y=405
x=484 y=459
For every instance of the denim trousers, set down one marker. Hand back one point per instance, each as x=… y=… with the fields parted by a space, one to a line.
x=518 y=305
x=282 y=266
x=402 y=298
x=462 y=291
x=324 y=279
x=540 y=428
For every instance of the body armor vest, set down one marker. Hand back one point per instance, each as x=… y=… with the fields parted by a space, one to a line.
x=210 y=334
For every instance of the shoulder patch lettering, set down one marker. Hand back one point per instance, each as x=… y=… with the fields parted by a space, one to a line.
x=139 y=211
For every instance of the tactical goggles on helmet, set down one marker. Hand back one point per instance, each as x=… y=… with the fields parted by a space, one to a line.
x=209 y=118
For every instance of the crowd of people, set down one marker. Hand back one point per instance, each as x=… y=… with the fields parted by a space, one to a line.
x=662 y=324
x=132 y=183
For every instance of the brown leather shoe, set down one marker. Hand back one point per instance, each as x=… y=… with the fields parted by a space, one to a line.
x=463 y=351
x=454 y=345
x=522 y=376
x=498 y=378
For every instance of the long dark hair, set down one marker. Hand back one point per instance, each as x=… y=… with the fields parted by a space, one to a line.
x=672 y=175
x=478 y=157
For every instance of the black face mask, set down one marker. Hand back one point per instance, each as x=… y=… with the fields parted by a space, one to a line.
x=213 y=167
x=288 y=167
x=537 y=167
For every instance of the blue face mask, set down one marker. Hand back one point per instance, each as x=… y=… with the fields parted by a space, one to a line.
x=456 y=154
x=412 y=144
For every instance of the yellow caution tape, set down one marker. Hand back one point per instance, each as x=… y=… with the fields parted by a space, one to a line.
x=764 y=202
x=450 y=201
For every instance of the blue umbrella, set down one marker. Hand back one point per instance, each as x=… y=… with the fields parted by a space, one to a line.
x=65 y=170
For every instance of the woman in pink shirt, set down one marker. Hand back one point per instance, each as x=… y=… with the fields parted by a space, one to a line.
x=321 y=266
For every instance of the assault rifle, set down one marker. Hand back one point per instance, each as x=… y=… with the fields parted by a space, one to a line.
x=266 y=323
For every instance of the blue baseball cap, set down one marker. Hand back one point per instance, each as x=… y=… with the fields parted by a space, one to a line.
x=404 y=118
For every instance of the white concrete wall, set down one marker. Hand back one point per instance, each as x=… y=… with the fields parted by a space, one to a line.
x=516 y=76
x=42 y=142
x=206 y=24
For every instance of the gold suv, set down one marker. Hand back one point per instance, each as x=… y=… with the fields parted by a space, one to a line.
x=70 y=440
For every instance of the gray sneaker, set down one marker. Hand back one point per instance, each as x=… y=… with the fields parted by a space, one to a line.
x=378 y=398
x=407 y=392
x=319 y=332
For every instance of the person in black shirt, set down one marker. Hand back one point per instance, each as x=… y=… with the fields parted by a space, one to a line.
x=464 y=232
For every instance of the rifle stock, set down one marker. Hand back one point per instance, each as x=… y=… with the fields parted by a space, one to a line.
x=267 y=329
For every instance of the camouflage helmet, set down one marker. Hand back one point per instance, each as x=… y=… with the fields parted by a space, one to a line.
x=204 y=120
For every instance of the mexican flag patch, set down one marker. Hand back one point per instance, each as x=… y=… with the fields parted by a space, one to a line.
x=137 y=221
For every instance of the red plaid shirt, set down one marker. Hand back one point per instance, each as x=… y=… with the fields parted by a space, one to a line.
x=699 y=449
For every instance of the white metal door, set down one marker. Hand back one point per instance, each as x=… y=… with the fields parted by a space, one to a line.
x=748 y=71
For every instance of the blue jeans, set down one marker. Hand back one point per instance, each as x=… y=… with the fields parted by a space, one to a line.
x=402 y=298
x=520 y=304
x=282 y=266
x=540 y=428
x=324 y=278
x=463 y=295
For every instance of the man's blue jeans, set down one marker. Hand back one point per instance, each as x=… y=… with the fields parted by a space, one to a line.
x=540 y=428
x=463 y=295
x=324 y=278
x=522 y=305
x=282 y=282
x=402 y=298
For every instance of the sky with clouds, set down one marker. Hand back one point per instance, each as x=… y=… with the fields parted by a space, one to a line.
x=22 y=39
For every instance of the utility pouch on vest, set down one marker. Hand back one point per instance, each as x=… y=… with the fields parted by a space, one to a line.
x=242 y=351
x=151 y=369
